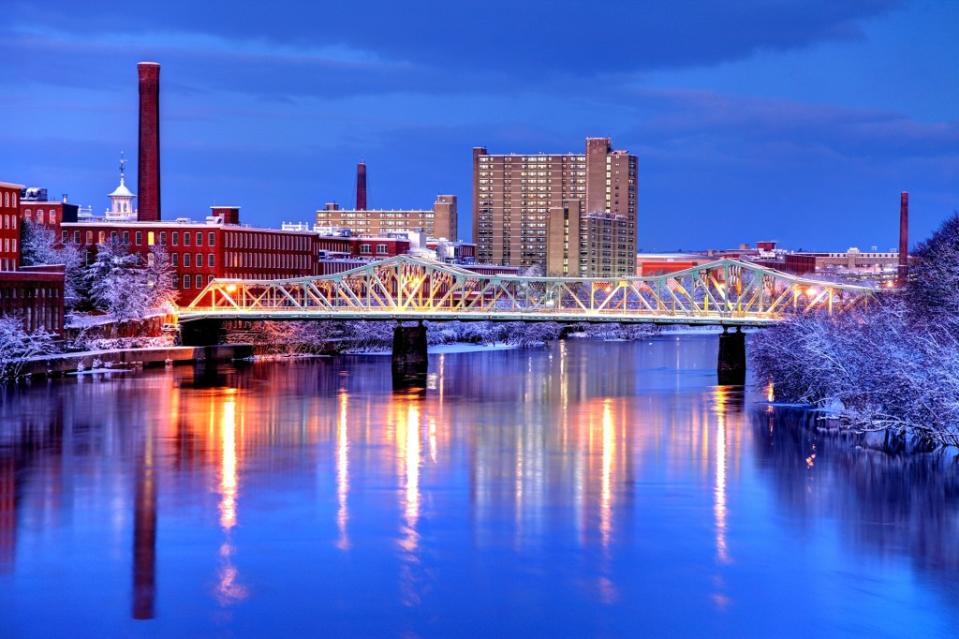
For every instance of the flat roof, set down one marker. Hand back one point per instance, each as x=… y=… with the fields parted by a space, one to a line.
x=12 y=185
x=194 y=225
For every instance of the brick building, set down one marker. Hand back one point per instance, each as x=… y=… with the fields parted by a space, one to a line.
x=9 y=226
x=35 y=295
x=571 y=214
x=439 y=222
x=201 y=251
x=36 y=207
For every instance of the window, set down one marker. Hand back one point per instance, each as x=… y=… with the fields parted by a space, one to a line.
x=163 y=238
x=28 y=215
x=186 y=259
x=199 y=238
x=186 y=277
x=210 y=260
x=113 y=236
x=53 y=216
x=175 y=238
x=381 y=249
x=199 y=260
x=209 y=279
x=126 y=237
x=186 y=238
x=364 y=248
x=101 y=237
x=39 y=216
x=90 y=237
x=211 y=239
x=176 y=280
x=151 y=240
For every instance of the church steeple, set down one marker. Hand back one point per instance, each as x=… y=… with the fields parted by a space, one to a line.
x=121 y=200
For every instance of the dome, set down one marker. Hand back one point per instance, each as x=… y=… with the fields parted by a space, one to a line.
x=122 y=190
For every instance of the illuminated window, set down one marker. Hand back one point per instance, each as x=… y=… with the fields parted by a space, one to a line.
x=150 y=239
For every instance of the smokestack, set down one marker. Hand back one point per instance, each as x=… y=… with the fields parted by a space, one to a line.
x=903 y=237
x=148 y=168
x=361 y=186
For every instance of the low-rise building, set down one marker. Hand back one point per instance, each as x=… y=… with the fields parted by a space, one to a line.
x=37 y=208
x=439 y=222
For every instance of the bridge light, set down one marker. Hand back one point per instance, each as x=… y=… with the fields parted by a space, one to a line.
x=231 y=288
x=811 y=291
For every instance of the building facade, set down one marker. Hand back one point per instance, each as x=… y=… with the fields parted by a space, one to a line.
x=572 y=214
x=439 y=222
x=37 y=208
x=9 y=226
x=34 y=294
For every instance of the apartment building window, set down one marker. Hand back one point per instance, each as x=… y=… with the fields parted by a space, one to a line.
x=199 y=260
x=138 y=237
x=176 y=280
x=186 y=277
x=364 y=248
x=211 y=239
x=175 y=259
x=381 y=249
x=210 y=260
x=126 y=237
x=162 y=238
x=186 y=260
x=199 y=238
x=175 y=238
x=186 y=238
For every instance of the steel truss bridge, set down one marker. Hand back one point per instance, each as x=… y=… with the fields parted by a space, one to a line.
x=721 y=293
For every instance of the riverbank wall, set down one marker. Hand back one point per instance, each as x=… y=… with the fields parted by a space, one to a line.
x=63 y=363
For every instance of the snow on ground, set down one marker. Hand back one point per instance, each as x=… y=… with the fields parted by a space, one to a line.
x=470 y=348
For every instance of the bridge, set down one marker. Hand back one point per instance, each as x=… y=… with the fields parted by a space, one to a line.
x=727 y=293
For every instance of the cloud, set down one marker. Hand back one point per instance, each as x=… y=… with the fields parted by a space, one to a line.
x=326 y=47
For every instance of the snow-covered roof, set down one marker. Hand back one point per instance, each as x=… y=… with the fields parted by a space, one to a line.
x=122 y=190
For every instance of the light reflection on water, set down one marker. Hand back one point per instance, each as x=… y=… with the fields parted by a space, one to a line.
x=586 y=488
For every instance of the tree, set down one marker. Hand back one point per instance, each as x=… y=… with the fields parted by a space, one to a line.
x=117 y=283
x=159 y=280
x=17 y=345
x=37 y=244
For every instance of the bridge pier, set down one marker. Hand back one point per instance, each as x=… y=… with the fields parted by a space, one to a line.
x=731 y=368
x=204 y=332
x=410 y=362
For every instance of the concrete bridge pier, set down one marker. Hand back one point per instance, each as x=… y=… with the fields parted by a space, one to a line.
x=204 y=332
x=731 y=368
x=410 y=362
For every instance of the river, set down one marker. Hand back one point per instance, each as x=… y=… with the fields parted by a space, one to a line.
x=581 y=489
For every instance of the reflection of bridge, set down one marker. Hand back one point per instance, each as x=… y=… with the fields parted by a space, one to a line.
x=726 y=293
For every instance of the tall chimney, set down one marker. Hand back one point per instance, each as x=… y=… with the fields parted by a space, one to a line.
x=361 y=186
x=903 y=238
x=148 y=168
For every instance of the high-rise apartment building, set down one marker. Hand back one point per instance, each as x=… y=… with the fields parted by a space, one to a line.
x=438 y=222
x=572 y=214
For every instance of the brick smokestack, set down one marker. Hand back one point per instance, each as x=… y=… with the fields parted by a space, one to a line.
x=903 y=237
x=361 y=186
x=148 y=167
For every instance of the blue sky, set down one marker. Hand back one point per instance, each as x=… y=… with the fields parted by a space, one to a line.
x=796 y=120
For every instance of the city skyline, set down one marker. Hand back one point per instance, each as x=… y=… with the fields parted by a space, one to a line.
x=804 y=127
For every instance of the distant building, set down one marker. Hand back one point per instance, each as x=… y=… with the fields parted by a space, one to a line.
x=33 y=294
x=650 y=264
x=37 y=208
x=440 y=221
x=9 y=226
x=572 y=214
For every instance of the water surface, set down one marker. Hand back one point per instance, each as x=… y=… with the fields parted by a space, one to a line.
x=583 y=489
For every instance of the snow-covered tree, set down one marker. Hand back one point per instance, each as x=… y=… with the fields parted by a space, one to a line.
x=17 y=345
x=159 y=280
x=37 y=244
x=117 y=282
x=892 y=366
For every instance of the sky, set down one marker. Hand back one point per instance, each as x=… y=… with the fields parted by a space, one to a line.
x=794 y=120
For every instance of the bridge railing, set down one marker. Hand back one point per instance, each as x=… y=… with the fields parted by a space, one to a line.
x=413 y=286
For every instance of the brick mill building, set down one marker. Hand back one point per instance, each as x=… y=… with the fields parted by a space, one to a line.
x=34 y=294
x=572 y=214
x=439 y=221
